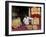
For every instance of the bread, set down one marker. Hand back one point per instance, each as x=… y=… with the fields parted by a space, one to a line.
x=16 y=22
x=35 y=10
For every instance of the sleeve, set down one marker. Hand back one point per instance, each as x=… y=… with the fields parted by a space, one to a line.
x=23 y=19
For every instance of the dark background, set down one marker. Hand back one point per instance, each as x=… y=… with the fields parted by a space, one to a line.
x=20 y=10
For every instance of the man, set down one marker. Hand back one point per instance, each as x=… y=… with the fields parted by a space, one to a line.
x=26 y=20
